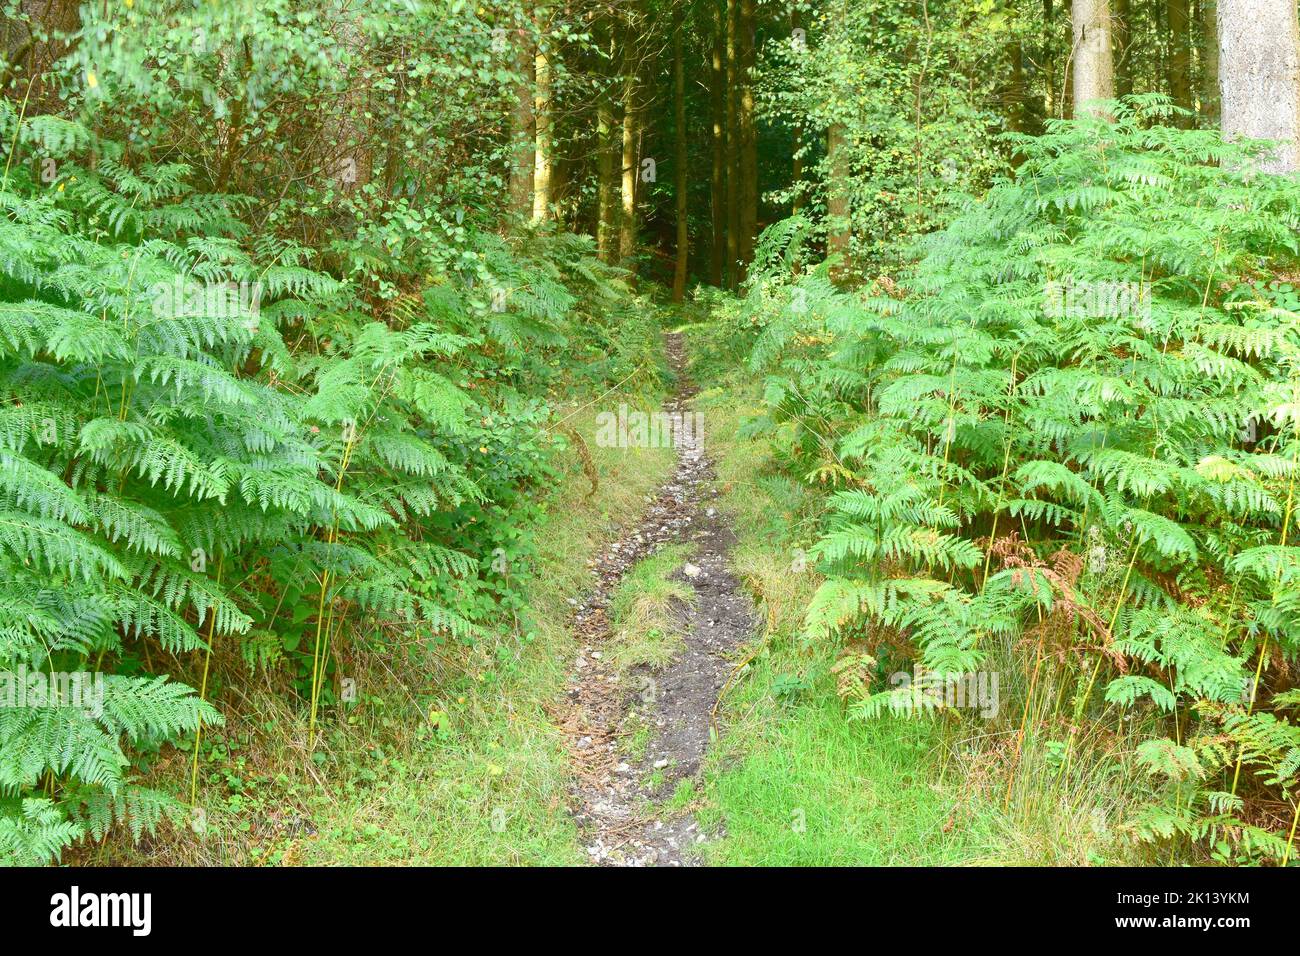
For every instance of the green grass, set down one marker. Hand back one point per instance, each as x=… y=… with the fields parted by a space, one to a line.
x=494 y=792
x=637 y=733
x=805 y=787
x=643 y=611
x=452 y=756
x=683 y=796
x=794 y=782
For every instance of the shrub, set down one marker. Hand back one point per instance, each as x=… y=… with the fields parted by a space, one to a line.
x=1080 y=405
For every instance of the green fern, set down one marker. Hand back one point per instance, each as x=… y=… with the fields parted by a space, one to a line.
x=1070 y=368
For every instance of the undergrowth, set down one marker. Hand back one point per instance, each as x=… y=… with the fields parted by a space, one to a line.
x=222 y=465
x=795 y=780
x=1061 y=451
x=460 y=765
x=644 y=611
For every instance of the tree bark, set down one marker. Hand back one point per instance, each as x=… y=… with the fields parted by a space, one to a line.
x=1210 y=62
x=796 y=166
x=607 y=157
x=1048 y=57
x=1180 y=57
x=346 y=139
x=1094 y=77
x=1014 y=97
x=627 y=223
x=718 y=179
x=748 y=139
x=544 y=120
x=1259 y=76
x=606 y=179
x=37 y=50
x=679 y=172
x=837 y=203
x=732 y=231
x=1120 y=37
x=522 y=129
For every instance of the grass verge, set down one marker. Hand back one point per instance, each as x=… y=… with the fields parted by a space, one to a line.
x=644 y=611
x=493 y=791
x=793 y=782
x=450 y=756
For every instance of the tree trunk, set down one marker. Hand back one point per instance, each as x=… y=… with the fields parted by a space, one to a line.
x=606 y=179
x=796 y=170
x=561 y=172
x=718 y=179
x=1159 y=10
x=679 y=173
x=1120 y=36
x=732 y=231
x=1050 y=96
x=1180 y=58
x=627 y=223
x=748 y=139
x=1094 y=77
x=837 y=203
x=345 y=138
x=1259 y=76
x=1014 y=98
x=544 y=120
x=35 y=46
x=522 y=130
x=607 y=153
x=1210 y=62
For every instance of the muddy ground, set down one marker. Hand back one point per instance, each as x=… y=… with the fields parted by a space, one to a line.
x=615 y=799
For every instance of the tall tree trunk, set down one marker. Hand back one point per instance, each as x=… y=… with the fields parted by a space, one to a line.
x=732 y=231
x=1094 y=77
x=1015 y=91
x=837 y=203
x=229 y=131
x=1050 y=95
x=561 y=172
x=544 y=119
x=796 y=168
x=522 y=130
x=35 y=44
x=1120 y=37
x=627 y=224
x=608 y=149
x=1159 y=10
x=718 y=179
x=345 y=128
x=1209 y=62
x=1259 y=76
x=748 y=138
x=1180 y=57
x=679 y=173
x=606 y=179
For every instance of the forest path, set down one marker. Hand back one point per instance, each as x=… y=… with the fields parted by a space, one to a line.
x=617 y=797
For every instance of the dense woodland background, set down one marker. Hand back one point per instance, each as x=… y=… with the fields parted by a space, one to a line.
x=290 y=295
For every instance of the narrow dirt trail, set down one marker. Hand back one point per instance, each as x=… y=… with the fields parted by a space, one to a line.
x=613 y=798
